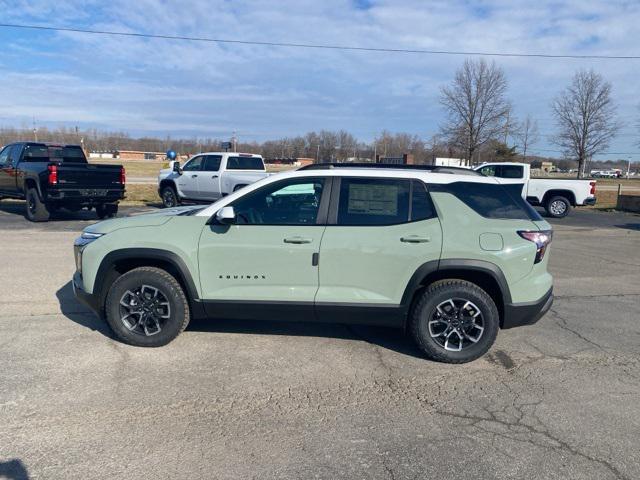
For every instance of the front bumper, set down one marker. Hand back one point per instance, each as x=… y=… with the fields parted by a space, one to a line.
x=518 y=314
x=88 y=299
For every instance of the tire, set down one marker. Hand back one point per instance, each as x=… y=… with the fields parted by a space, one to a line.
x=153 y=330
x=169 y=197
x=108 y=210
x=429 y=327
x=36 y=210
x=238 y=187
x=557 y=207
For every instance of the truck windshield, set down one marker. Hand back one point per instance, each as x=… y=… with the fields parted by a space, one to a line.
x=51 y=153
x=245 y=163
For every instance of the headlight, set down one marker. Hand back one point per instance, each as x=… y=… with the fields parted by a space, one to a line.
x=81 y=242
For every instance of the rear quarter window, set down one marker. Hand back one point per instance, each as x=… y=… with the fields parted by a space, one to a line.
x=491 y=200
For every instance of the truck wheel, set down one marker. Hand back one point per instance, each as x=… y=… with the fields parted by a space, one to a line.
x=454 y=321
x=36 y=210
x=108 y=210
x=238 y=187
x=558 y=207
x=147 y=307
x=169 y=197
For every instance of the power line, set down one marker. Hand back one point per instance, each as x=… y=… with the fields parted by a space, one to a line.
x=317 y=45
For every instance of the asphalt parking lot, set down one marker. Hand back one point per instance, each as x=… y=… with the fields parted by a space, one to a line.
x=559 y=399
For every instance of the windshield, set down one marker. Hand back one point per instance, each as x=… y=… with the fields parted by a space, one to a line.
x=50 y=153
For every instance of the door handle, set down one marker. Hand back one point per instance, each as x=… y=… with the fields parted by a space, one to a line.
x=194 y=176
x=298 y=240
x=214 y=176
x=415 y=239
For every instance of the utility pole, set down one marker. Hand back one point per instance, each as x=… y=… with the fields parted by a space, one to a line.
x=35 y=131
x=235 y=141
x=318 y=154
x=628 y=166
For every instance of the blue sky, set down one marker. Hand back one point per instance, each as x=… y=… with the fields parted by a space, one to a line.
x=188 y=88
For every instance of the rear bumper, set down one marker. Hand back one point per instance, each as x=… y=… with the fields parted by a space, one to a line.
x=590 y=201
x=85 y=196
x=518 y=314
x=88 y=299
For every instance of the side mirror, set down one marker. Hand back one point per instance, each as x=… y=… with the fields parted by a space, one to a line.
x=226 y=216
x=175 y=166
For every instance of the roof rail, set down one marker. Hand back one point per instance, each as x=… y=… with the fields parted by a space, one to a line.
x=392 y=166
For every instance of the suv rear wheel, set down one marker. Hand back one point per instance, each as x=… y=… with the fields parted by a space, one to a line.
x=147 y=307
x=454 y=321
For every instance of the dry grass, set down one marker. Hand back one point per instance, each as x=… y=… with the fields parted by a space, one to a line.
x=141 y=194
x=147 y=168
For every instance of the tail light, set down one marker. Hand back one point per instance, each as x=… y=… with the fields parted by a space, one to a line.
x=541 y=238
x=593 y=188
x=53 y=174
x=123 y=176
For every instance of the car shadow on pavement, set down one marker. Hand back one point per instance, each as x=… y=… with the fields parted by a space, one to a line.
x=17 y=208
x=76 y=312
x=630 y=226
x=390 y=338
x=13 y=470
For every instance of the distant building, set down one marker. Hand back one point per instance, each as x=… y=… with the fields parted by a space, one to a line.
x=294 y=162
x=138 y=155
x=405 y=159
x=547 y=167
x=102 y=155
x=450 y=162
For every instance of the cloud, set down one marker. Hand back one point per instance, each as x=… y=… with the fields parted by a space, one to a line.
x=164 y=87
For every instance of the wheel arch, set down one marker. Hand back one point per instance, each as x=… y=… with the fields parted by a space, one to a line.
x=167 y=182
x=31 y=182
x=119 y=262
x=486 y=275
x=568 y=194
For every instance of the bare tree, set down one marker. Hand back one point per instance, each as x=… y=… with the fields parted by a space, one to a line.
x=476 y=105
x=586 y=117
x=526 y=134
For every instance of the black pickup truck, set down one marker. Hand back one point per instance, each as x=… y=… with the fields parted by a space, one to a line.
x=52 y=176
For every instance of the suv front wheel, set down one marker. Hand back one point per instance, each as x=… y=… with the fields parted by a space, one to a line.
x=454 y=321
x=147 y=307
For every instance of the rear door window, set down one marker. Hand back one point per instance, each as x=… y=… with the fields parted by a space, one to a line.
x=503 y=171
x=245 y=163
x=373 y=201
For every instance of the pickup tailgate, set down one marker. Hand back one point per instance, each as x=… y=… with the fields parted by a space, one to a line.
x=86 y=175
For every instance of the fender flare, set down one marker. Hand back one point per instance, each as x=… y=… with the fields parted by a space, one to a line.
x=455 y=264
x=35 y=180
x=141 y=254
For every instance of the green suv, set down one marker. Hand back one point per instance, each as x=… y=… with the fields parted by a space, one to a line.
x=448 y=255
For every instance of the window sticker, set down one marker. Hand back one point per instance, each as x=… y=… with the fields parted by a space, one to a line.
x=372 y=199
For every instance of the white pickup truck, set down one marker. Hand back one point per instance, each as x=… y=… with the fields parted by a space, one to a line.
x=556 y=195
x=206 y=177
